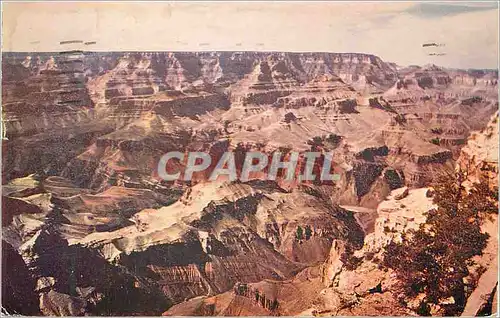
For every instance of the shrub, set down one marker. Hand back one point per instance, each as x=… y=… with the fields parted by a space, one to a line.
x=437 y=130
x=300 y=233
x=424 y=309
x=434 y=259
x=334 y=139
x=388 y=230
x=435 y=141
x=308 y=232
x=350 y=261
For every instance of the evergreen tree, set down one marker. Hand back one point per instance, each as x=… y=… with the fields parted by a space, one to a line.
x=434 y=259
x=308 y=232
x=300 y=233
x=274 y=304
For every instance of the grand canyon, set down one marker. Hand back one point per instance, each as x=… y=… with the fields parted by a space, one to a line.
x=156 y=158
x=88 y=227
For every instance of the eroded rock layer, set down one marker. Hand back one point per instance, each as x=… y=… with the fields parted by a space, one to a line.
x=94 y=230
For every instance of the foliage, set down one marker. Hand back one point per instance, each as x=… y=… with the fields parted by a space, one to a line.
x=350 y=261
x=437 y=130
x=308 y=232
x=424 y=309
x=472 y=100
x=334 y=139
x=300 y=233
x=434 y=259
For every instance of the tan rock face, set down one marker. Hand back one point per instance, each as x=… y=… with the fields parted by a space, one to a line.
x=333 y=265
x=102 y=234
x=480 y=156
x=225 y=232
x=397 y=215
x=370 y=284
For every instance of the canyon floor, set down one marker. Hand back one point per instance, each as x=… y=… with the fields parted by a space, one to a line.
x=90 y=228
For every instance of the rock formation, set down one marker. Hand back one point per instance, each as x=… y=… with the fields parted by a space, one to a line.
x=94 y=230
x=479 y=157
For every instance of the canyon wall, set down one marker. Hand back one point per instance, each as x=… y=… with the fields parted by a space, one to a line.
x=95 y=230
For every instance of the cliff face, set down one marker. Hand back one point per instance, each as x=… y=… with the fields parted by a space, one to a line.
x=83 y=134
x=140 y=105
x=448 y=103
x=213 y=237
x=47 y=114
x=227 y=233
x=479 y=157
x=371 y=286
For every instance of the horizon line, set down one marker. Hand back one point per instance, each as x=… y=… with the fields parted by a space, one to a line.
x=248 y=51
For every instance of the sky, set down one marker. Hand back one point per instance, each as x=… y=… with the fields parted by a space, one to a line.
x=395 y=31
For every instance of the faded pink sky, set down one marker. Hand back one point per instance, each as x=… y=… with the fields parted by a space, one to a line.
x=394 y=31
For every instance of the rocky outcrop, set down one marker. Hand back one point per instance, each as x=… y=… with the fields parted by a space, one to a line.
x=480 y=156
x=83 y=281
x=356 y=288
x=266 y=298
x=354 y=281
x=403 y=210
x=232 y=233
x=48 y=116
